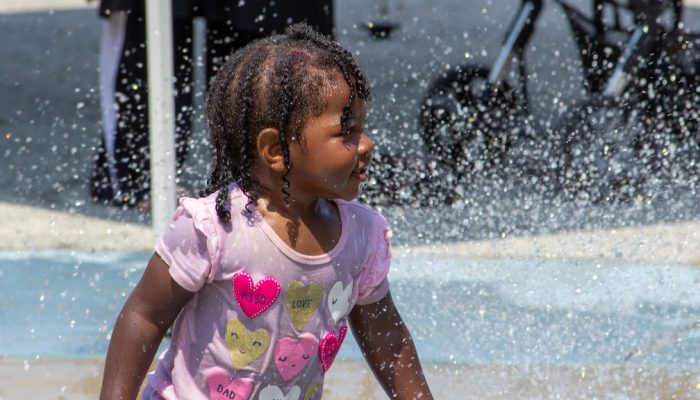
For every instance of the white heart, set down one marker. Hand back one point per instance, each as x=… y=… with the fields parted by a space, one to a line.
x=275 y=393
x=339 y=300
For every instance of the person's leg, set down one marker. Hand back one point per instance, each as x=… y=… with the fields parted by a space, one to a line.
x=132 y=150
x=131 y=94
x=104 y=186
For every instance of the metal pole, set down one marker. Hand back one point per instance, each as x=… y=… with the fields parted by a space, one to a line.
x=159 y=42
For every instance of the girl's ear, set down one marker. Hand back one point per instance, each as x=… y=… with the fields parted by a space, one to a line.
x=270 y=149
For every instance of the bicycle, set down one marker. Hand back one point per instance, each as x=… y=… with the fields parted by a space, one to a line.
x=630 y=130
x=466 y=106
x=473 y=115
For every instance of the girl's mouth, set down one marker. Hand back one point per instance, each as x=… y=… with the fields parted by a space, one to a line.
x=360 y=173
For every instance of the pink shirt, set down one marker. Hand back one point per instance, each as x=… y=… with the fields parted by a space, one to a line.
x=265 y=321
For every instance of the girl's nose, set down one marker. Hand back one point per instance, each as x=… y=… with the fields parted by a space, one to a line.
x=366 y=146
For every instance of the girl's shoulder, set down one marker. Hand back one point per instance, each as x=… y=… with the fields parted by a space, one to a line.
x=204 y=208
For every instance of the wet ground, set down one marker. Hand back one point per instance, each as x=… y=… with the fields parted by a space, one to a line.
x=461 y=310
x=485 y=329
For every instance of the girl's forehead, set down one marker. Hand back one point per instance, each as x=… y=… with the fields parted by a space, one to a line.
x=336 y=82
x=336 y=92
x=337 y=88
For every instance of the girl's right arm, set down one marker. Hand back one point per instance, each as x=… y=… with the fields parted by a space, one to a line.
x=148 y=313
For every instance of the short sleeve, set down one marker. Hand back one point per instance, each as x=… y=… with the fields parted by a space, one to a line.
x=190 y=245
x=373 y=284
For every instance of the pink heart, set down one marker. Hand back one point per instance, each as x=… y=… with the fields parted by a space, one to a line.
x=223 y=388
x=330 y=346
x=291 y=356
x=254 y=299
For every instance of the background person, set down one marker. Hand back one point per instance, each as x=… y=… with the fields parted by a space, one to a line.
x=121 y=175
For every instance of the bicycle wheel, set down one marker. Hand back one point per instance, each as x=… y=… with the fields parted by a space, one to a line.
x=462 y=118
x=601 y=143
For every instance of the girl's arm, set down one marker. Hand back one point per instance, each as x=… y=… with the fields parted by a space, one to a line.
x=389 y=350
x=148 y=313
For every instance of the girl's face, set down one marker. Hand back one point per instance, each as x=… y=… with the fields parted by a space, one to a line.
x=332 y=163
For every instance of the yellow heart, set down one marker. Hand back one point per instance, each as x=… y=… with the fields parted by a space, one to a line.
x=245 y=346
x=302 y=302
x=311 y=392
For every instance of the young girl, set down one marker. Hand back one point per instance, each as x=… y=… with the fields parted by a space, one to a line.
x=264 y=276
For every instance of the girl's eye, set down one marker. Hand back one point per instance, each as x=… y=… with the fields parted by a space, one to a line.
x=256 y=343
x=234 y=335
x=283 y=358
x=304 y=356
x=334 y=301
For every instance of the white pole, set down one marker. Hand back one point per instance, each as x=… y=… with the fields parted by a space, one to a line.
x=159 y=42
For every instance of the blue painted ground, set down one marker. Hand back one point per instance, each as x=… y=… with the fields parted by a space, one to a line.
x=63 y=305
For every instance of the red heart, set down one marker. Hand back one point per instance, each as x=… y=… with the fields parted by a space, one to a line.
x=329 y=347
x=254 y=299
x=222 y=388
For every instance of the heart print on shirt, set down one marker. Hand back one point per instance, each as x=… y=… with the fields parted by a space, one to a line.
x=302 y=302
x=339 y=299
x=221 y=387
x=254 y=298
x=244 y=346
x=292 y=356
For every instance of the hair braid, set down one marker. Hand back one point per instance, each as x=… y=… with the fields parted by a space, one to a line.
x=217 y=101
x=246 y=97
x=286 y=66
x=228 y=93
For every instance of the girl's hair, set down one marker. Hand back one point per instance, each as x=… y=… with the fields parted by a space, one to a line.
x=271 y=83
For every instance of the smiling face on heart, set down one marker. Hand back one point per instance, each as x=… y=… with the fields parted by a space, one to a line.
x=339 y=299
x=292 y=356
x=275 y=393
x=223 y=388
x=244 y=346
x=302 y=302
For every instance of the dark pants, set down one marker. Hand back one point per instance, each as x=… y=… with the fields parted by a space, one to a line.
x=132 y=150
x=131 y=147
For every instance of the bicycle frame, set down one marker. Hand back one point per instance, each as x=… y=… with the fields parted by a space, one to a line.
x=641 y=41
x=517 y=37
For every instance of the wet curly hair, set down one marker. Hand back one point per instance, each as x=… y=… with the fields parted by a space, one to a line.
x=271 y=83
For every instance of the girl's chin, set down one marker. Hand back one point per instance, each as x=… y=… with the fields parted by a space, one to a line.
x=350 y=195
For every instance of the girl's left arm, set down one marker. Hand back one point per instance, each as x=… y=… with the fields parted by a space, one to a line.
x=388 y=348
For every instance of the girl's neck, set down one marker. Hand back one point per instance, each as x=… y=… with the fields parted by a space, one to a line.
x=310 y=229
x=291 y=209
x=273 y=201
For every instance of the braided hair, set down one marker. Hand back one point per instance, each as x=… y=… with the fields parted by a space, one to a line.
x=271 y=83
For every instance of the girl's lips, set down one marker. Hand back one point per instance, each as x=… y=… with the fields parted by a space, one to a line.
x=360 y=174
